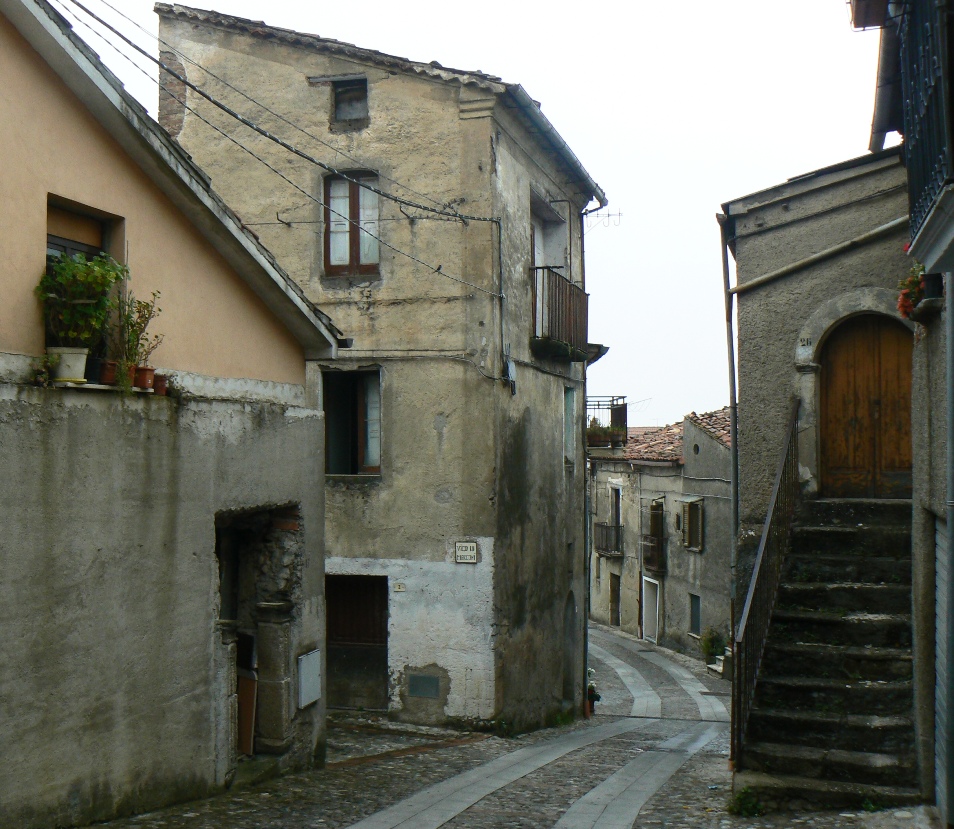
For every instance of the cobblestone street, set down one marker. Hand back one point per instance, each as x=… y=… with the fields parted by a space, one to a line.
x=655 y=755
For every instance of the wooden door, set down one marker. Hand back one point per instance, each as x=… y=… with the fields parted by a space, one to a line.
x=357 y=638
x=865 y=410
x=614 y=599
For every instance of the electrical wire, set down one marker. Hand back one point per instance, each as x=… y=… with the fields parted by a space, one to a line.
x=265 y=133
x=438 y=269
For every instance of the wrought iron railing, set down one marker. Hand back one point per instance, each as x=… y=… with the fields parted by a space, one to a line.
x=608 y=538
x=752 y=630
x=653 y=550
x=923 y=36
x=559 y=316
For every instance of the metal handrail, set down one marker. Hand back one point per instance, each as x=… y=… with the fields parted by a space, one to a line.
x=752 y=631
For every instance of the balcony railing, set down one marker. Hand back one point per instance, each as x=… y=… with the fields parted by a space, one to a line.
x=608 y=539
x=923 y=36
x=653 y=549
x=752 y=631
x=559 y=316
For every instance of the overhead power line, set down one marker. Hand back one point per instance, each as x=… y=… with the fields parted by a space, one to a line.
x=268 y=135
x=437 y=270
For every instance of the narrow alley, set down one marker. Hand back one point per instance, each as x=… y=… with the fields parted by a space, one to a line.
x=654 y=755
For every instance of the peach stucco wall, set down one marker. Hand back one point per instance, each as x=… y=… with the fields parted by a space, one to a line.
x=51 y=147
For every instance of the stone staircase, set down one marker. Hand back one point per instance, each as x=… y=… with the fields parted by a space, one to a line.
x=833 y=722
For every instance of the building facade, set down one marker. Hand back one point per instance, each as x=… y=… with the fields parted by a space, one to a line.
x=162 y=602
x=661 y=508
x=437 y=215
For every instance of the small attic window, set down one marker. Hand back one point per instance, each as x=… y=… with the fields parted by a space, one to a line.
x=351 y=99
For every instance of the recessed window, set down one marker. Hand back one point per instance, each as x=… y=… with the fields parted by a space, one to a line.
x=352 y=422
x=350 y=99
x=695 y=614
x=351 y=225
x=569 y=424
x=692 y=525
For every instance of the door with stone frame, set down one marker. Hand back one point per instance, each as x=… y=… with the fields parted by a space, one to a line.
x=357 y=619
x=865 y=409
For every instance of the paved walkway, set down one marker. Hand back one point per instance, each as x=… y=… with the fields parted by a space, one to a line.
x=655 y=756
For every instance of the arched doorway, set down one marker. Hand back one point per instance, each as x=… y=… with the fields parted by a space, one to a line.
x=865 y=409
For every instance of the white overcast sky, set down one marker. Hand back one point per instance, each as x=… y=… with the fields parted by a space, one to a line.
x=672 y=107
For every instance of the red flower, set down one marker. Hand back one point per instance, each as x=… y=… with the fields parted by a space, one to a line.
x=906 y=247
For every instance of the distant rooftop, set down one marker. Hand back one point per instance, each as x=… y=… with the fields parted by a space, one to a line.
x=664 y=443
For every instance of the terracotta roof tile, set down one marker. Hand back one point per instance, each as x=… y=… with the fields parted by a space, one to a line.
x=715 y=423
x=654 y=443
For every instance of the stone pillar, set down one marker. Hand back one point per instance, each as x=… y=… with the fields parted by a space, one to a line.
x=275 y=698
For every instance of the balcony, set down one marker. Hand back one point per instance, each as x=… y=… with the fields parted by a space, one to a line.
x=923 y=45
x=559 y=317
x=608 y=539
x=653 y=550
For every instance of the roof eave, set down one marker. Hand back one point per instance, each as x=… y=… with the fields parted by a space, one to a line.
x=170 y=168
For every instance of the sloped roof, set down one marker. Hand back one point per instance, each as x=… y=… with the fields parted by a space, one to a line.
x=515 y=95
x=715 y=424
x=654 y=443
x=171 y=169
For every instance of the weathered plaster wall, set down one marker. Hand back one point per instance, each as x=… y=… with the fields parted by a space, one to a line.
x=113 y=690
x=443 y=617
x=461 y=456
x=929 y=436
x=778 y=340
x=706 y=475
x=210 y=316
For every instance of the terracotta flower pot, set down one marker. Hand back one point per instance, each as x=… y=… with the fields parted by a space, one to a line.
x=108 y=370
x=145 y=377
x=160 y=384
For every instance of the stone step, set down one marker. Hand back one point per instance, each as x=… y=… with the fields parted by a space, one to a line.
x=891 y=541
x=871 y=733
x=854 y=511
x=865 y=767
x=850 y=569
x=884 y=598
x=865 y=697
x=791 y=793
x=836 y=662
x=880 y=630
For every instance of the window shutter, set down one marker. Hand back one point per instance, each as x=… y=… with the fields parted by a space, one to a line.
x=686 y=534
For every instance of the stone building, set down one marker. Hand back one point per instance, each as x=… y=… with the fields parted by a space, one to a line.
x=824 y=422
x=162 y=555
x=662 y=532
x=437 y=215
x=916 y=103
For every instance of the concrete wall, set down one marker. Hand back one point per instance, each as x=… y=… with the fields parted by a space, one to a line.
x=461 y=456
x=59 y=153
x=782 y=325
x=115 y=688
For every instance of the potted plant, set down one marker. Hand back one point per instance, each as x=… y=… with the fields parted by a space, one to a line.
x=617 y=436
x=597 y=435
x=77 y=298
x=133 y=344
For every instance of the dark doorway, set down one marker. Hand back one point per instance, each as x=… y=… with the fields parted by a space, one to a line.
x=357 y=641
x=865 y=409
x=614 y=600
x=572 y=674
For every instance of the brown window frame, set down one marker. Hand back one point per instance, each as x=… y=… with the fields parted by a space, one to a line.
x=346 y=422
x=354 y=265
x=693 y=525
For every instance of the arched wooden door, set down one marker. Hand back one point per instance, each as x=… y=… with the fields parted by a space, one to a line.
x=865 y=409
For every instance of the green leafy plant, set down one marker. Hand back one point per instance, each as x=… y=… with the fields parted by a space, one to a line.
x=132 y=345
x=712 y=643
x=43 y=370
x=911 y=290
x=745 y=803
x=77 y=297
x=870 y=805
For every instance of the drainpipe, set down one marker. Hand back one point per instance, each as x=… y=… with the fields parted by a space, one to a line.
x=949 y=648
x=733 y=420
